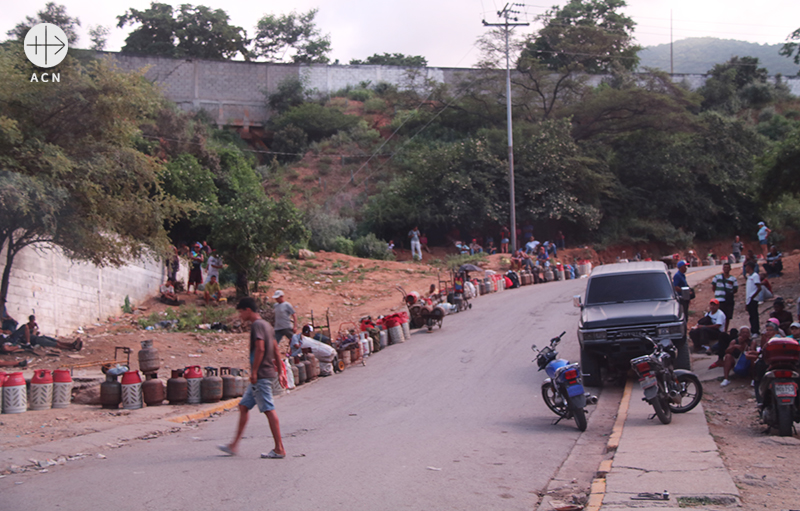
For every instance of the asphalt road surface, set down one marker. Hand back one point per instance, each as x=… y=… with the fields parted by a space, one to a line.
x=449 y=420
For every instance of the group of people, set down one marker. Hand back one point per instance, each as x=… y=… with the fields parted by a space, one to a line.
x=27 y=338
x=737 y=349
x=199 y=255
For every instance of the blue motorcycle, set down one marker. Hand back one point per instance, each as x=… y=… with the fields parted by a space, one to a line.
x=563 y=390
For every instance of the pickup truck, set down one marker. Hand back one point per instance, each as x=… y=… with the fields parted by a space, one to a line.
x=623 y=302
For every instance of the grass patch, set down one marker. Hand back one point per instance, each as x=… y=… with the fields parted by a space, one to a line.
x=705 y=501
x=188 y=317
x=454 y=261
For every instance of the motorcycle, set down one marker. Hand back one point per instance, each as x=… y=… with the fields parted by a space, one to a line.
x=778 y=387
x=668 y=390
x=563 y=391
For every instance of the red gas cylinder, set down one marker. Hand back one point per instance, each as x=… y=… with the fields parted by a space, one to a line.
x=193 y=375
x=41 y=395
x=15 y=397
x=62 y=388
x=131 y=390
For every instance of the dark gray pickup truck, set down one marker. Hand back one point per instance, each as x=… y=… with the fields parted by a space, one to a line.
x=624 y=301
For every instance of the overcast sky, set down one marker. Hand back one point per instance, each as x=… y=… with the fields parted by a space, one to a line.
x=444 y=31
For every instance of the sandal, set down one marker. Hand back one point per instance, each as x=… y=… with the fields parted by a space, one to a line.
x=272 y=455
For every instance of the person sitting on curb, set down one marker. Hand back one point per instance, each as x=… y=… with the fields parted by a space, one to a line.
x=708 y=331
x=795 y=331
x=780 y=313
x=211 y=292
x=740 y=345
x=774 y=264
x=168 y=295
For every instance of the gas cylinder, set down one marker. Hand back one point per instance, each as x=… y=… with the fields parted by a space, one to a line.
x=15 y=397
x=62 y=388
x=295 y=372
x=548 y=275
x=193 y=375
x=345 y=357
x=301 y=369
x=131 y=390
x=177 y=388
x=153 y=390
x=148 y=358
x=384 y=338
x=110 y=392
x=41 y=394
x=228 y=383
x=211 y=386
x=2 y=382
x=313 y=364
x=404 y=325
x=241 y=381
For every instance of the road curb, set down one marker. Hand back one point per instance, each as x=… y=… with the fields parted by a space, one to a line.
x=598 y=489
x=202 y=414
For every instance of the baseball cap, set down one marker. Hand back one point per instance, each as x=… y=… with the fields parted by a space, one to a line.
x=714 y=300
x=277 y=294
x=779 y=299
x=795 y=325
x=761 y=223
x=774 y=322
x=681 y=264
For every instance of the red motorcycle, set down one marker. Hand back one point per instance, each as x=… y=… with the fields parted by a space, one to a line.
x=778 y=388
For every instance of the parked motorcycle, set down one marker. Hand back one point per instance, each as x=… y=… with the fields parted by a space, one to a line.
x=563 y=390
x=667 y=389
x=778 y=387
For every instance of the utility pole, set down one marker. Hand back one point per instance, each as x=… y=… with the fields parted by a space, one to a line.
x=508 y=15
x=671 y=68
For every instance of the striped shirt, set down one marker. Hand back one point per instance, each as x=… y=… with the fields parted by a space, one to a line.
x=722 y=286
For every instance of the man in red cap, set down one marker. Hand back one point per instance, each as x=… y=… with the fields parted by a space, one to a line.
x=710 y=328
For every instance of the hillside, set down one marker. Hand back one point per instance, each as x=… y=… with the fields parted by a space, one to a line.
x=699 y=54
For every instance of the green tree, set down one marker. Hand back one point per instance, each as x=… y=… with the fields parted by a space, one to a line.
x=792 y=48
x=188 y=32
x=778 y=167
x=291 y=36
x=72 y=175
x=735 y=84
x=52 y=13
x=99 y=36
x=392 y=59
x=315 y=120
x=250 y=230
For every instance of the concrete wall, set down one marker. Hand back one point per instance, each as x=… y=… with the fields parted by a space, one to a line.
x=65 y=295
x=233 y=92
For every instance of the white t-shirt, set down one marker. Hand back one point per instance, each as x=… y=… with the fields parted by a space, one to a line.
x=213 y=261
x=752 y=287
x=718 y=318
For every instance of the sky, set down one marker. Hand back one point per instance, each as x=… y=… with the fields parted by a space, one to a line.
x=445 y=31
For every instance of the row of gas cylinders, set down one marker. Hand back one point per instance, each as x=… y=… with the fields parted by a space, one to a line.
x=45 y=391
x=186 y=386
x=398 y=327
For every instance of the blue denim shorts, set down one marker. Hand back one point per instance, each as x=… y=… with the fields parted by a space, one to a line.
x=261 y=394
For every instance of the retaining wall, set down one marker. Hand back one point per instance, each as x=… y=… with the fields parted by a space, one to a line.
x=64 y=294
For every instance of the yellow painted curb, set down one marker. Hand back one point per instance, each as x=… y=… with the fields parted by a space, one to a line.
x=605 y=468
x=596 y=496
x=202 y=414
x=622 y=414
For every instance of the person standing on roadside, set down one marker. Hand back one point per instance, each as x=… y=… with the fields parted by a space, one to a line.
x=679 y=282
x=416 y=248
x=265 y=366
x=505 y=236
x=752 y=290
x=285 y=317
x=725 y=286
x=737 y=248
x=763 y=234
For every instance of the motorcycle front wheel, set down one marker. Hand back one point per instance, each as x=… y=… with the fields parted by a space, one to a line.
x=691 y=393
x=661 y=406
x=580 y=418
x=549 y=395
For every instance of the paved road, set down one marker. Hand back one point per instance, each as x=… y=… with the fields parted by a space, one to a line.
x=449 y=420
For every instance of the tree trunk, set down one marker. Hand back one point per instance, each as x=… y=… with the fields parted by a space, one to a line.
x=7 y=271
x=242 y=286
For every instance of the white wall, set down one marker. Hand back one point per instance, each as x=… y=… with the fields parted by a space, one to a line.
x=64 y=294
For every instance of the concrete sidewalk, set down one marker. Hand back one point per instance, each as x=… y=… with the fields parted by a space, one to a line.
x=680 y=457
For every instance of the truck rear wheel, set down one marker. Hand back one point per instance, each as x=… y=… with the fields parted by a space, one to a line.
x=590 y=367
x=683 y=360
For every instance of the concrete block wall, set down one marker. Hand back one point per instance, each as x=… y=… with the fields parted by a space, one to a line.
x=65 y=294
x=233 y=91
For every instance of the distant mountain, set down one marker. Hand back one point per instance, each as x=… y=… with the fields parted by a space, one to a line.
x=699 y=54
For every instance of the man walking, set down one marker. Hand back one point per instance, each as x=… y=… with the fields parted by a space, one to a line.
x=752 y=290
x=725 y=286
x=265 y=367
x=285 y=317
x=679 y=282
x=416 y=248
x=737 y=249
x=763 y=234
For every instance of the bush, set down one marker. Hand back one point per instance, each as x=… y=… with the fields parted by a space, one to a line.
x=290 y=140
x=374 y=106
x=344 y=245
x=317 y=121
x=290 y=93
x=326 y=228
x=360 y=94
x=371 y=247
